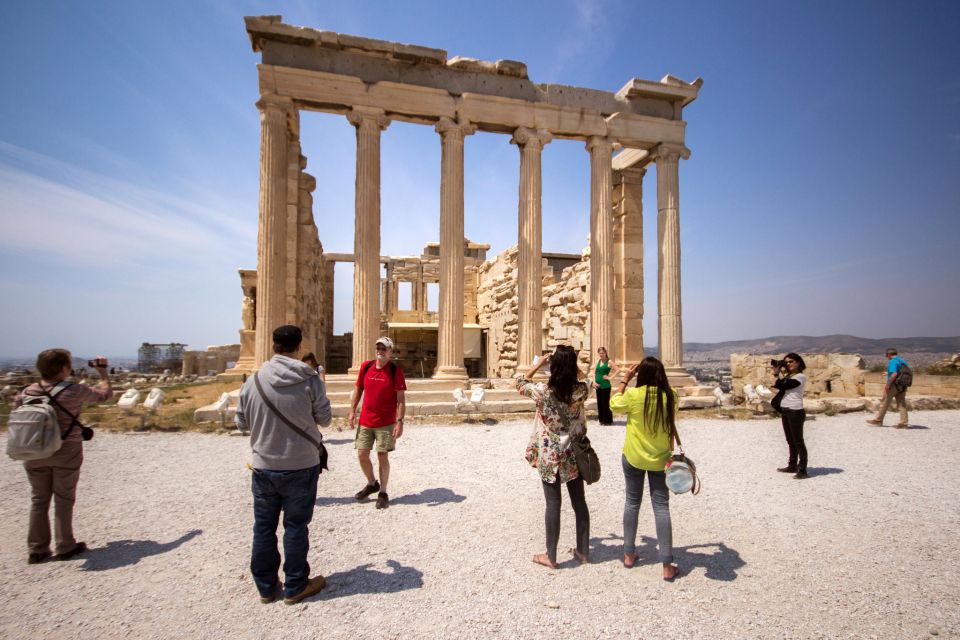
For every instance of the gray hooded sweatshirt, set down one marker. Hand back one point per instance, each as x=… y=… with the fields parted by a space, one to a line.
x=297 y=392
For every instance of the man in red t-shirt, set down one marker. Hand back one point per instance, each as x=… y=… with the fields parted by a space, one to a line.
x=382 y=385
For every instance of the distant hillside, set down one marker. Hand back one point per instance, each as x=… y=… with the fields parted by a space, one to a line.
x=828 y=344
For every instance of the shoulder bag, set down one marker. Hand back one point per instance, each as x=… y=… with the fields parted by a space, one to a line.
x=681 y=472
x=322 y=450
x=588 y=462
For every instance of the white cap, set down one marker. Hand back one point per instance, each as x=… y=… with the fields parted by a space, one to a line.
x=385 y=341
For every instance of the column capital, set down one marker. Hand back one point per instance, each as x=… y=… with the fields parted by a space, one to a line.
x=368 y=117
x=273 y=105
x=460 y=127
x=600 y=144
x=669 y=152
x=534 y=138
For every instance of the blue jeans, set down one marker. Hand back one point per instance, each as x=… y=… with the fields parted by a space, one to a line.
x=659 y=498
x=295 y=494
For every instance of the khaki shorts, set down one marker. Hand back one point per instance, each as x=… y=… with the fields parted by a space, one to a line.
x=383 y=436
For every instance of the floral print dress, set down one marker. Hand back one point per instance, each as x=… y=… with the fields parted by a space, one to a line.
x=548 y=449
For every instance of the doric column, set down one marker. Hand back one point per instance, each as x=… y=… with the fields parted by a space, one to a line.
x=601 y=243
x=628 y=265
x=366 y=239
x=450 y=320
x=670 y=338
x=529 y=254
x=276 y=114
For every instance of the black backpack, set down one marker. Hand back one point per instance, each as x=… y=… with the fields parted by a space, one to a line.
x=904 y=377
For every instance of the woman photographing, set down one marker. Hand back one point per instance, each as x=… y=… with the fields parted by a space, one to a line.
x=560 y=417
x=651 y=409
x=789 y=402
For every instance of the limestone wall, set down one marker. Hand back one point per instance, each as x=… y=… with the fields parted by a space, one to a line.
x=838 y=375
x=923 y=385
x=566 y=310
x=566 y=316
x=214 y=359
x=497 y=306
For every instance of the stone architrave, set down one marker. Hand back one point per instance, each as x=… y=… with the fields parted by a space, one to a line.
x=628 y=266
x=366 y=243
x=276 y=115
x=668 y=157
x=450 y=320
x=529 y=245
x=601 y=243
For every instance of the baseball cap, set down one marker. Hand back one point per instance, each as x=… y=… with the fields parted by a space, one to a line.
x=385 y=341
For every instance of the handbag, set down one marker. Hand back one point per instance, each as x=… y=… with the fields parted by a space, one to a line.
x=588 y=462
x=681 y=472
x=321 y=450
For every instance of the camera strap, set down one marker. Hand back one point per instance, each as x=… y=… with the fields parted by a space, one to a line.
x=74 y=420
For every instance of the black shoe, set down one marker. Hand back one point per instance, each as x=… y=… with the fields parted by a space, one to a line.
x=801 y=475
x=38 y=557
x=368 y=490
x=787 y=469
x=382 y=500
x=77 y=550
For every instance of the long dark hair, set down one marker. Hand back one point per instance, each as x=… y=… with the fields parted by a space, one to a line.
x=652 y=375
x=563 y=373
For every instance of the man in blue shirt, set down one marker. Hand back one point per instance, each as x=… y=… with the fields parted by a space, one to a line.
x=891 y=391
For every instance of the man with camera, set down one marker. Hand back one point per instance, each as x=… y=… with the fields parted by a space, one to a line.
x=281 y=405
x=56 y=477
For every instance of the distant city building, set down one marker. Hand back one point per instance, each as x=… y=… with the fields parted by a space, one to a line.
x=155 y=358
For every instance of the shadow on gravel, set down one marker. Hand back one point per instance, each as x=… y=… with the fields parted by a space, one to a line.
x=122 y=553
x=429 y=497
x=822 y=471
x=365 y=579
x=720 y=561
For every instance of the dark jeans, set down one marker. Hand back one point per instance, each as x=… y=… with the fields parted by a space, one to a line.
x=603 y=406
x=551 y=492
x=792 y=420
x=295 y=494
x=659 y=498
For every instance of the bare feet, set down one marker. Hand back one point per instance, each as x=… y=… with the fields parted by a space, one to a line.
x=629 y=559
x=583 y=558
x=670 y=571
x=544 y=559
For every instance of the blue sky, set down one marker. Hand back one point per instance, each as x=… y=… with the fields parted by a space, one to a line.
x=822 y=195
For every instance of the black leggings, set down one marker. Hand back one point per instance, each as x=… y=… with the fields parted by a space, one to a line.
x=792 y=420
x=603 y=406
x=551 y=492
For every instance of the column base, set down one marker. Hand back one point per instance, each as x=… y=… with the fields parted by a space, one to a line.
x=679 y=378
x=450 y=373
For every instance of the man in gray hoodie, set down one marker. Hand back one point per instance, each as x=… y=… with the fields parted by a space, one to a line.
x=286 y=465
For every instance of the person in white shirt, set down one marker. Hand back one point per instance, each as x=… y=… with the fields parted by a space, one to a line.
x=789 y=402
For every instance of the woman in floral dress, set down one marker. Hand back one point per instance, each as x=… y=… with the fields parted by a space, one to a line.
x=560 y=417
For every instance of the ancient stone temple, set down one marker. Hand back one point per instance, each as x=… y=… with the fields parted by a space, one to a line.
x=372 y=83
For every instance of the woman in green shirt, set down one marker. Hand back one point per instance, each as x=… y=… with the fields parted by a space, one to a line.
x=604 y=371
x=651 y=410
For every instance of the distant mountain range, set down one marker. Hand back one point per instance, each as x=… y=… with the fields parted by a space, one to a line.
x=838 y=343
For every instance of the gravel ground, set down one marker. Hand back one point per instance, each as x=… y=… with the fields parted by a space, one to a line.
x=867 y=547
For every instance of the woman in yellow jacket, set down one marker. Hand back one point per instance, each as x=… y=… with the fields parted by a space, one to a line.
x=651 y=409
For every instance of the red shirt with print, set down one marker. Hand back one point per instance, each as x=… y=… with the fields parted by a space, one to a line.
x=379 y=394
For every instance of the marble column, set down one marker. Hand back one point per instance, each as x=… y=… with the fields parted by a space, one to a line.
x=275 y=136
x=450 y=318
x=366 y=240
x=601 y=244
x=628 y=267
x=668 y=275
x=529 y=251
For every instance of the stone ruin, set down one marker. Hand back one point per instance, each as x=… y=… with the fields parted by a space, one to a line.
x=528 y=306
